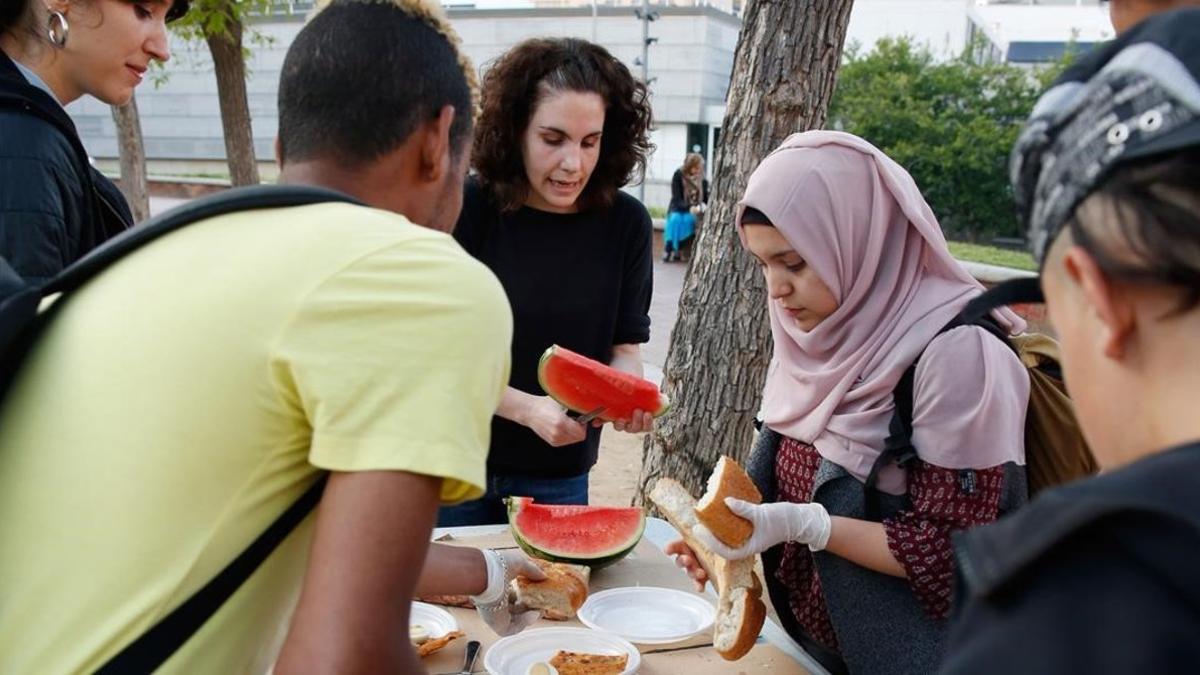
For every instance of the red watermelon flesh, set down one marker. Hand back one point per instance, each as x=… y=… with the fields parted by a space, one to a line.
x=582 y=384
x=583 y=535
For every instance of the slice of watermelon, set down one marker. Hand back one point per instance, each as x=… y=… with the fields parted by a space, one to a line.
x=596 y=536
x=583 y=384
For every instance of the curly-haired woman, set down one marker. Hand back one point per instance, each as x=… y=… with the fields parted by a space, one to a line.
x=563 y=127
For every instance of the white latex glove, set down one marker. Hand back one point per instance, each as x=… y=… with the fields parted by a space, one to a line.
x=495 y=604
x=773 y=524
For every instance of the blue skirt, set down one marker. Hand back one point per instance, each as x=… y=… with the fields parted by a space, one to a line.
x=680 y=227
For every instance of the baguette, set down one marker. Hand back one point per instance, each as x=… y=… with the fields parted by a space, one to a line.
x=740 y=609
x=727 y=480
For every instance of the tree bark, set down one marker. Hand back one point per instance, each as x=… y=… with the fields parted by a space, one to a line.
x=785 y=68
x=133 y=159
x=230 y=65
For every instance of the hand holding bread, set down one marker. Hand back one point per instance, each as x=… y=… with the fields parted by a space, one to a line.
x=560 y=595
x=772 y=524
x=740 y=609
x=495 y=605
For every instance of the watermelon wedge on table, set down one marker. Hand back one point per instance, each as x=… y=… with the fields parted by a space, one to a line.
x=595 y=536
x=583 y=385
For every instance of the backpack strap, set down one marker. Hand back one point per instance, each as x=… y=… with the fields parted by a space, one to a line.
x=211 y=206
x=152 y=648
x=1011 y=292
x=20 y=321
x=898 y=447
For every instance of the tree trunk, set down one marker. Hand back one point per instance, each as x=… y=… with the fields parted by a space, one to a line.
x=230 y=66
x=785 y=67
x=133 y=159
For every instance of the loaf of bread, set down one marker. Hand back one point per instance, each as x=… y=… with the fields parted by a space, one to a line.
x=740 y=609
x=560 y=595
x=727 y=480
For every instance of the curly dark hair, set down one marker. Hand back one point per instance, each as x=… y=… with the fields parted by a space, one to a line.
x=516 y=83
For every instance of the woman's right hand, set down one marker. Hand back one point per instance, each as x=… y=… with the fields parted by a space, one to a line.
x=686 y=558
x=550 y=422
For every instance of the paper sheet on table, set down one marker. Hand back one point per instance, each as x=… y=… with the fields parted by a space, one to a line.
x=645 y=566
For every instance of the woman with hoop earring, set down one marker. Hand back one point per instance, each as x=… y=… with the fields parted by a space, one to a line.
x=54 y=206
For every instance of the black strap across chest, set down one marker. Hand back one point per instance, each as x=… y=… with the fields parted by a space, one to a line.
x=898 y=447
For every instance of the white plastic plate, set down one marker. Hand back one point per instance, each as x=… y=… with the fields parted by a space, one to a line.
x=435 y=619
x=514 y=654
x=648 y=615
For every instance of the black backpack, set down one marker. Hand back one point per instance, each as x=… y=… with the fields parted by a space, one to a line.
x=20 y=325
x=1055 y=451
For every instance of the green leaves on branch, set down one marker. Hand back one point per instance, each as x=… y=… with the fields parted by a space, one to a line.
x=210 y=18
x=950 y=123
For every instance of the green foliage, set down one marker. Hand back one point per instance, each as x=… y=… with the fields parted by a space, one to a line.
x=212 y=17
x=950 y=123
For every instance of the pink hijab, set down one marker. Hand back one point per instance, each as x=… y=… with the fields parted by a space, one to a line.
x=860 y=221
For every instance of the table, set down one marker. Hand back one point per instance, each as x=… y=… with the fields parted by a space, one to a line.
x=775 y=653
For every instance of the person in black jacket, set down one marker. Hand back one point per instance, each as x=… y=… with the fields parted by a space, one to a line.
x=1101 y=575
x=54 y=206
x=689 y=200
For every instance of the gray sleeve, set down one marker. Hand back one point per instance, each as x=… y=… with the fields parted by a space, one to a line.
x=761 y=464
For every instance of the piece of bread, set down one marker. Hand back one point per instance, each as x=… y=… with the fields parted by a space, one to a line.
x=463 y=601
x=432 y=645
x=578 y=663
x=728 y=480
x=740 y=609
x=560 y=595
x=679 y=507
x=739 y=621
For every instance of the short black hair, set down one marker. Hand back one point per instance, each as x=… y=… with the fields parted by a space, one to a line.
x=360 y=78
x=1154 y=204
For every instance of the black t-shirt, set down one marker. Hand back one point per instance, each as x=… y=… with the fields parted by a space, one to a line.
x=580 y=280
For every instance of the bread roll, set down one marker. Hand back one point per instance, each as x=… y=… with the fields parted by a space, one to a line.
x=740 y=609
x=727 y=480
x=560 y=595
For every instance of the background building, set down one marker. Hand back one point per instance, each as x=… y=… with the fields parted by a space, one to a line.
x=689 y=66
x=1036 y=32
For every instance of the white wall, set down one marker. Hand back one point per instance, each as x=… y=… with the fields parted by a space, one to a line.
x=940 y=24
x=181 y=124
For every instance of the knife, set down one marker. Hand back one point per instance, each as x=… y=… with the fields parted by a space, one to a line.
x=468 y=659
x=590 y=415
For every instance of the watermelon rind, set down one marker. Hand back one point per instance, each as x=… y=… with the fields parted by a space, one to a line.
x=664 y=402
x=596 y=561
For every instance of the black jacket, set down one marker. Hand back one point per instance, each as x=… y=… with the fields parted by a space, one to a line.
x=54 y=206
x=678 y=198
x=1099 y=576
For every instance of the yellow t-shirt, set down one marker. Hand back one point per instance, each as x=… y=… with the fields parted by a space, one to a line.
x=183 y=399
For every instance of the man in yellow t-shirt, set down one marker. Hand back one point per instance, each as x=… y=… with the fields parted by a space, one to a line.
x=188 y=395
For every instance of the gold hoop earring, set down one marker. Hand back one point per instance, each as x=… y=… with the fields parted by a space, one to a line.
x=58 y=29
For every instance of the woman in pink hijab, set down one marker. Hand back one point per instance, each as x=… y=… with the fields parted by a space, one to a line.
x=860 y=284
